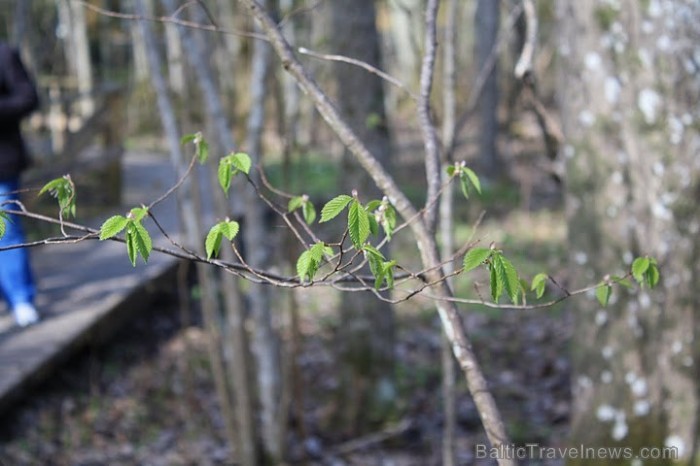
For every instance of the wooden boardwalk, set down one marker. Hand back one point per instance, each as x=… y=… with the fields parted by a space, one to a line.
x=86 y=290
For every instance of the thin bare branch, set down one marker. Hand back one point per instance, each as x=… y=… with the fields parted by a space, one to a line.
x=353 y=61
x=169 y=19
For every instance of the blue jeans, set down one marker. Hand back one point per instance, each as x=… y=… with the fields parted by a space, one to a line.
x=16 y=280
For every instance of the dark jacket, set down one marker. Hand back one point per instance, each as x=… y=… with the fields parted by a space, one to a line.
x=18 y=98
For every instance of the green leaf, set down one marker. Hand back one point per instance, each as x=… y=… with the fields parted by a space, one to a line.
x=138 y=213
x=372 y=251
x=241 y=161
x=53 y=185
x=310 y=260
x=142 y=240
x=373 y=225
x=373 y=205
x=63 y=190
x=334 y=207
x=501 y=279
x=295 y=203
x=603 y=293
x=318 y=250
x=496 y=285
x=309 y=212
x=187 y=138
x=450 y=170
x=131 y=248
x=229 y=229
x=504 y=277
x=113 y=226
x=539 y=283
x=358 y=224
x=464 y=185
x=389 y=273
x=652 y=275
x=621 y=281
x=389 y=222
x=512 y=281
x=212 y=244
x=473 y=178
x=306 y=266
x=3 y=227
x=475 y=257
x=375 y=259
x=639 y=268
x=202 y=151
x=225 y=173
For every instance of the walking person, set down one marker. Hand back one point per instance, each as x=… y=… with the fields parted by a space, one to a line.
x=18 y=98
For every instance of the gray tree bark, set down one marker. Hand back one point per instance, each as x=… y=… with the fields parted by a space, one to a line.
x=190 y=223
x=138 y=46
x=235 y=346
x=487 y=19
x=265 y=340
x=367 y=327
x=72 y=19
x=629 y=88
x=446 y=224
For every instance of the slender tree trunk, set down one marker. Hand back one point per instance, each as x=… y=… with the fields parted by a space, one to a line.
x=83 y=62
x=228 y=52
x=629 y=93
x=190 y=223
x=367 y=327
x=72 y=20
x=289 y=116
x=265 y=341
x=487 y=20
x=176 y=65
x=138 y=45
x=447 y=225
x=235 y=347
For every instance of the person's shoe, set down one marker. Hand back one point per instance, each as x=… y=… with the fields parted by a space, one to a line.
x=25 y=314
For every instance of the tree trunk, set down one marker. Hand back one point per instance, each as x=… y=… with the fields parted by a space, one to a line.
x=72 y=21
x=487 y=20
x=190 y=223
x=235 y=346
x=176 y=65
x=138 y=46
x=446 y=225
x=257 y=239
x=367 y=324
x=629 y=89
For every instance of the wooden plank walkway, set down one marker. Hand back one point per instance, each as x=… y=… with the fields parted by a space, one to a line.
x=86 y=290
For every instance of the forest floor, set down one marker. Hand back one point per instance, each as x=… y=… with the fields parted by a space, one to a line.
x=148 y=399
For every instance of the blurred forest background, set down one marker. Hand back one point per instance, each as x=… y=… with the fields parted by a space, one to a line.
x=588 y=155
